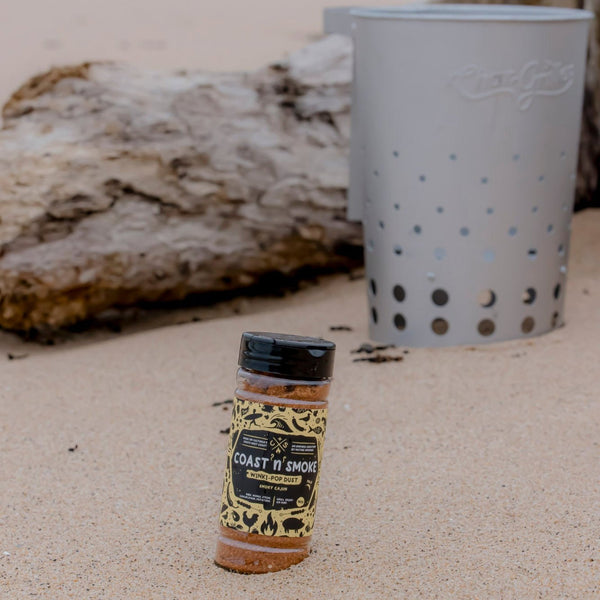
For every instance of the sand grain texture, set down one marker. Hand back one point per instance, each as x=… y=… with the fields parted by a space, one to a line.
x=457 y=473
x=163 y=34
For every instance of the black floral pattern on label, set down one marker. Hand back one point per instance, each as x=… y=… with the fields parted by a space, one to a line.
x=272 y=472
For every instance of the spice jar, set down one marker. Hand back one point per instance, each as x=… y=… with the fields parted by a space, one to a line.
x=274 y=454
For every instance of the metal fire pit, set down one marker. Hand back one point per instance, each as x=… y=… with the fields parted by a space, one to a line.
x=465 y=130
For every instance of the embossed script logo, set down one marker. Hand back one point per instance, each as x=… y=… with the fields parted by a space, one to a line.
x=535 y=78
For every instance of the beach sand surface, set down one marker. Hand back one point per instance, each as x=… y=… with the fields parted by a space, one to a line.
x=458 y=473
x=163 y=34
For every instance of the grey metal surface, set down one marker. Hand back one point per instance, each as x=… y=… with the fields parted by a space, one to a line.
x=468 y=131
x=337 y=19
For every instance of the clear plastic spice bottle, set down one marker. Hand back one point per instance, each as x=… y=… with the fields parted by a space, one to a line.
x=274 y=454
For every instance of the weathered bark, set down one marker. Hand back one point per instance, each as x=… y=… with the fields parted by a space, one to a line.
x=588 y=182
x=120 y=185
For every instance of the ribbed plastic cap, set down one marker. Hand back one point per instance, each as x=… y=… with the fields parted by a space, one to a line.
x=292 y=356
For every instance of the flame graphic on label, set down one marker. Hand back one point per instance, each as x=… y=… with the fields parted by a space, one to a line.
x=269 y=527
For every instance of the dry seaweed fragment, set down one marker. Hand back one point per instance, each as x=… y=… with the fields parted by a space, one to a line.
x=379 y=358
x=369 y=348
x=227 y=401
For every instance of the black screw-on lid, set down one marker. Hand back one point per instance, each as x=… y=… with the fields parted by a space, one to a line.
x=292 y=356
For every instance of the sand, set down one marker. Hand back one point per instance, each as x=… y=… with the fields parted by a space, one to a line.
x=457 y=473
x=164 y=34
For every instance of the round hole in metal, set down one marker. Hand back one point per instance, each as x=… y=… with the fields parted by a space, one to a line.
x=561 y=250
x=439 y=326
x=555 y=320
x=400 y=322
x=484 y=180
x=395 y=153
x=556 y=292
x=374 y=314
x=490 y=211
x=398 y=250
x=550 y=228
x=527 y=325
x=512 y=231
x=452 y=157
x=381 y=225
x=422 y=178
x=440 y=297
x=397 y=206
x=534 y=209
x=464 y=231
x=399 y=293
x=486 y=298
x=417 y=229
x=489 y=256
x=532 y=253
x=486 y=327
x=373 y=287
x=541 y=178
x=440 y=209
x=529 y=296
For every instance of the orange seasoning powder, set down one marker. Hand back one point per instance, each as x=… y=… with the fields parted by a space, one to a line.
x=274 y=453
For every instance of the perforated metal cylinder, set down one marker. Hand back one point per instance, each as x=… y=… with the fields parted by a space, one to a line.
x=465 y=138
x=337 y=19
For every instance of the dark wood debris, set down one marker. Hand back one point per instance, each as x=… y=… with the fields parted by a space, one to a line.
x=379 y=358
x=369 y=349
x=228 y=401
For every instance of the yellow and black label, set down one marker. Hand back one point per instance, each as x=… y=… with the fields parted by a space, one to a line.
x=272 y=473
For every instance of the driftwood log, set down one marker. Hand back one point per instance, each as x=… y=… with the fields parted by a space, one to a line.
x=120 y=185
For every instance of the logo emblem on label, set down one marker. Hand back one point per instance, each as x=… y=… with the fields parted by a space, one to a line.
x=535 y=78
